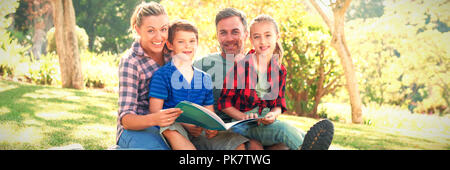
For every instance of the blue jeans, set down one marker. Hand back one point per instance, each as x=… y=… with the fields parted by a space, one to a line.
x=147 y=139
x=277 y=132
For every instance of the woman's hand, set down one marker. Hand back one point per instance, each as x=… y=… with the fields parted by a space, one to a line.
x=165 y=117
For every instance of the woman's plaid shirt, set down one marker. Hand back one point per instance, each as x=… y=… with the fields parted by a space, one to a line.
x=135 y=71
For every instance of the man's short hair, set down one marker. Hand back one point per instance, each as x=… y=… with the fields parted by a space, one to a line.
x=231 y=12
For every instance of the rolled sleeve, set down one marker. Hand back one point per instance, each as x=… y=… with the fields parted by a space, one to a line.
x=128 y=88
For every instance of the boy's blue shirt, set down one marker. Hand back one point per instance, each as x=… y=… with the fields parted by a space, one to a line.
x=169 y=84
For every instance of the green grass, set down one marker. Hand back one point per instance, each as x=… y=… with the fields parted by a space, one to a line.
x=41 y=117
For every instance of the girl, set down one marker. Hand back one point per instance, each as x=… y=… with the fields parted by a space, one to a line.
x=256 y=88
x=136 y=128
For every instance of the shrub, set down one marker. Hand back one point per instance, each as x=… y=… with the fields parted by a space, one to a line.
x=100 y=70
x=44 y=71
x=82 y=37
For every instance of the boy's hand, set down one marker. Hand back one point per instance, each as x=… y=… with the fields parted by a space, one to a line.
x=211 y=133
x=193 y=129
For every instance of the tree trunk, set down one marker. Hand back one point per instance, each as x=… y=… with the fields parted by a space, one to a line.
x=38 y=39
x=66 y=44
x=338 y=42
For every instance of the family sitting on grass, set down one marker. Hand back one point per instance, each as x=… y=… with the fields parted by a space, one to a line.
x=158 y=73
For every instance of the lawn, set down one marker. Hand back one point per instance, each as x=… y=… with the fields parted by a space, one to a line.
x=41 y=117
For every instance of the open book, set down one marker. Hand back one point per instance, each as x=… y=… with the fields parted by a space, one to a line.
x=201 y=116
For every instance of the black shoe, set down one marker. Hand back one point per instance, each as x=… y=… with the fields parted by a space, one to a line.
x=319 y=136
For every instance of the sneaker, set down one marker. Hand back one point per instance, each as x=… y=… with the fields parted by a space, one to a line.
x=319 y=136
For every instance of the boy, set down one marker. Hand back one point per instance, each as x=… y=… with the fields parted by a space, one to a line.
x=178 y=80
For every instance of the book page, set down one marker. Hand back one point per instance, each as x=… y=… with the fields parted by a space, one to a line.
x=210 y=113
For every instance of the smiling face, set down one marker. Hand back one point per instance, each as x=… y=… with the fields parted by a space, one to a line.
x=231 y=35
x=153 y=33
x=263 y=37
x=184 y=45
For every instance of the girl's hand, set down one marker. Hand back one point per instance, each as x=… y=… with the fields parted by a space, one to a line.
x=165 y=117
x=251 y=116
x=268 y=119
x=211 y=133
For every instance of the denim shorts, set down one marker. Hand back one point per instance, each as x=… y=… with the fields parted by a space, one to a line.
x=147 y=139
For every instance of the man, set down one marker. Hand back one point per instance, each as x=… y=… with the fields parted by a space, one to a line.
x=232 y=33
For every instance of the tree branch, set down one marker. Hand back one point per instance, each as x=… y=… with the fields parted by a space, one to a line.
x=322 y=14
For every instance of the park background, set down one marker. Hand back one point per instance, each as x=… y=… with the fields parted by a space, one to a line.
x=399 y=50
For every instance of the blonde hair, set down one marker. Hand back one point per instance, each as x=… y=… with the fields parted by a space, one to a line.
x=267 y=18
x=145 y=9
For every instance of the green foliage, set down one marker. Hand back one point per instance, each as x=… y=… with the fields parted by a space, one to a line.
x=308 y=59
x=82 y=37
x=10 y=49
x=401 y=50
x=44 y=71
x=99 y=69
x=364 y=9
x=106 y=23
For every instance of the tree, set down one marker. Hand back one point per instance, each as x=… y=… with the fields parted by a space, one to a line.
x=338 y=42
x=402 y=55
x=39 y=13
x=106 y=23
x=311 y=64
x=66 y=44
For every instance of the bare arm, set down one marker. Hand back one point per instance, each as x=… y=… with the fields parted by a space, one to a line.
x=234 y=113
x=136 y=122
x=156 y=117
x=210 y=108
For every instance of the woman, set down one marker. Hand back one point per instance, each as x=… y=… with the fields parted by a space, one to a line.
x=136 y=128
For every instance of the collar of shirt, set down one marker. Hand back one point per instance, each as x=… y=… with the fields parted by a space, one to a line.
x=139 y=51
